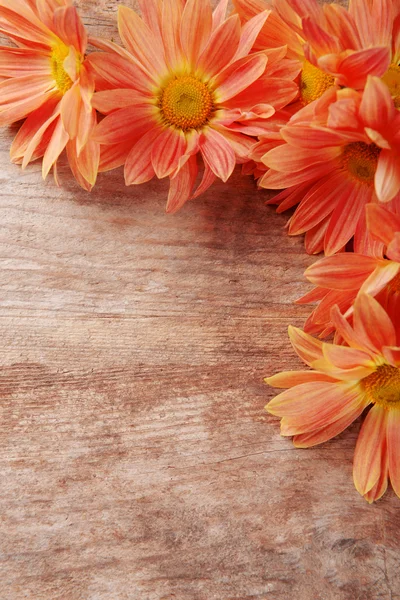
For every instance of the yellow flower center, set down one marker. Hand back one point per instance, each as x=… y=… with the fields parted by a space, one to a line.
x=361 y=160
x=186 y=103
x=313 y=82
x=383 y=386
x=62 y=79
x=392 y=80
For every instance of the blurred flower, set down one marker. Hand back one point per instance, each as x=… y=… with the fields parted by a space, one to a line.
x=47 y=83
x=321 y=403
x=185 y=84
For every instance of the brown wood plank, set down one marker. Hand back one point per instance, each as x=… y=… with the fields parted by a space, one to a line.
x=136 y=459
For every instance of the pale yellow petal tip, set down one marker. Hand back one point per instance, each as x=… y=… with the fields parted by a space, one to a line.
x=122 y=8
x=268 y=379
x=123 y=12
x=292 y=330
x=369 y=500
x=299 y=444
x=268 y=409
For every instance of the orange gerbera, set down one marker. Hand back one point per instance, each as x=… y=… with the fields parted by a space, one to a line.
x=185 y=85
x=340 y=278
x=321 y=403
x=336 y=156
x=47 y=83
x=335 y=47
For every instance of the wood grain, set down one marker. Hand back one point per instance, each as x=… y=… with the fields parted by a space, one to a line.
x=136 y=460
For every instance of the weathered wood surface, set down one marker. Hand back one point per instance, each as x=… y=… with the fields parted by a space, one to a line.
x=136 y=459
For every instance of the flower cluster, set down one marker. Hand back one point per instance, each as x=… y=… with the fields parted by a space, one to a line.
x=306 y=97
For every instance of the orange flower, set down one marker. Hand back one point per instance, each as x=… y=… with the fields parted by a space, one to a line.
x=340 y=278
x=185 y=84
x=321 y=403
x=47 y=83
x=336 y=47
x=335 y=156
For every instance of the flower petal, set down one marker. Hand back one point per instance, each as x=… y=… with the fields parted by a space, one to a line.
x=168 y=149
x=20 y=96
x=85 y=167
x=346 y=358
x=181 y=185
x=20 y=23
x=355 y=68
x=343 y=328
x=309 y=407
x=35 y=121
x=310 y=400
x=151 y=13
x=371 y=445
x=379 y=279
x=142 y=43
x=372 y=322
x=20 y=62
x=56 y=145
x=125 y=124
x=344 y=271
x=288 y=379
x=344 y=218
x=381 y=223
x=206 y=181
x=321 y=41
x=69 y=28
x=392 y=355
x=119 y=72
x=377 y=107
x=138 y=165
x=319 y=202
x=114 y=155
x=308 y=348
x=110 y=100
x=171 y=22
x=219 y=13
x=221 y=47
x=250 y=31
x=239 y=75
x=290 y=159
x=387 y=176
x=380 y=487
x=196 y=26
x=217 y=153
x=318 y=436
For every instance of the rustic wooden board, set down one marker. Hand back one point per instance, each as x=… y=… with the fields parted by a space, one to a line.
x=136 y=459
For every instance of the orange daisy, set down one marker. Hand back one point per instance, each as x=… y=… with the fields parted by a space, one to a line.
x=46 y=82
x=336 y=47
x=335 y=156
x=321 y=403
x=340 y=278
x=185 y=85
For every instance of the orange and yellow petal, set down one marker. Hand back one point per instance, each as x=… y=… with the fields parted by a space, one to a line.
x=370 y=449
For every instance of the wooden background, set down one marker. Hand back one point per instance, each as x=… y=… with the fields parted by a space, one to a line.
x=136 y=459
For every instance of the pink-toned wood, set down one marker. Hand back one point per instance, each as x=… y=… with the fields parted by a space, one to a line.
x=136 y=460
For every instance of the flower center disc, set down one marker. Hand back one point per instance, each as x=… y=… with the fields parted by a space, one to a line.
x=383 y=386
x=392 y=80
x=62 y=79
x=313 y=82
x=361 y=160
x=186 y=103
